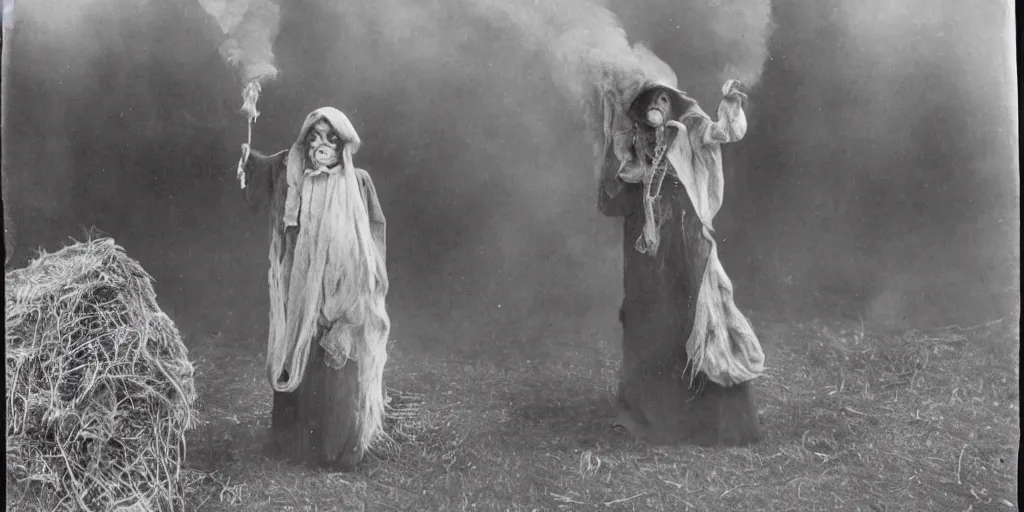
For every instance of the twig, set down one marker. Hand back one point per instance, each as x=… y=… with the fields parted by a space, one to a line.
x=613 y=502
x=677 y=486
x=731 y=490
x=972 y=327
x=852 y=411
x=203 y=503
x=565 y=499
x=959 y=465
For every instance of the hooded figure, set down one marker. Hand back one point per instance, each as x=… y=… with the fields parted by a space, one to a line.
x=328 y=283
x=688 y=352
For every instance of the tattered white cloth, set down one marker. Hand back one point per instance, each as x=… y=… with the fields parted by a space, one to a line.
x=333 y=287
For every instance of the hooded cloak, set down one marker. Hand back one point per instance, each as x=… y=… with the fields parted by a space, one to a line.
x=328 y=279
x=721 y=343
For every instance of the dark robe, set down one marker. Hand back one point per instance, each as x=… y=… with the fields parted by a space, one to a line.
x=319 y=422
x=659 y=399
x=656 y=399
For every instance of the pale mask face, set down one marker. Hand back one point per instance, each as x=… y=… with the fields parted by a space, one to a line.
x=659 y=110
x=324 y=145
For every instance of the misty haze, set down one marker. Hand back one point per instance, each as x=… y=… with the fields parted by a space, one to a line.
x=869 y=226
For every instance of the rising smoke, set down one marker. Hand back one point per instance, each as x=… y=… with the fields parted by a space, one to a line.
x=887 y=181
x=879 y=168
x=250 y=27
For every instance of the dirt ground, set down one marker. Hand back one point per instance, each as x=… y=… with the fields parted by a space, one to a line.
x=852 y=420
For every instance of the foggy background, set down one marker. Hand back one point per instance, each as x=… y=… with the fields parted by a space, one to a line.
x=879 y=178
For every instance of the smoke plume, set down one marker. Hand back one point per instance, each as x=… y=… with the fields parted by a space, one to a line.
x=879 y=166
x=886 y=175
x=251 y=27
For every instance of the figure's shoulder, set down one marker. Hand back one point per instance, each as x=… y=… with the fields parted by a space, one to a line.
x=370 y=195
x=274 y=163
x=363 y=176
x=281 y=157
x=279 y=167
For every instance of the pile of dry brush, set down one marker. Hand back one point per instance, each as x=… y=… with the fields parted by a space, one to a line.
x=99 y=387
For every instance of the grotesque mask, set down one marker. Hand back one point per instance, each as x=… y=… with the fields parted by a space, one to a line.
x=649 y=137
x=324 y=146
x=659 y=110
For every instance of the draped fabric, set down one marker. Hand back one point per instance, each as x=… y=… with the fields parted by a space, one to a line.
x=722 y=344
x=328 y=278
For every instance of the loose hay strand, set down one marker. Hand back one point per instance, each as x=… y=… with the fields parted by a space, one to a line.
x=99 y=390
x=403 y=422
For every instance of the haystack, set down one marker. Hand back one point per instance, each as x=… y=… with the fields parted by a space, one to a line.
x=99 y=388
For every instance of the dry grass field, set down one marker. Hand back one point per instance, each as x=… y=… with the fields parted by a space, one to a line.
x=852 y=421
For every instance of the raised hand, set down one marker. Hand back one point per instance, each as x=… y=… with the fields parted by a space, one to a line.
x=240 y=173
x=731 y=125
x=731 y=90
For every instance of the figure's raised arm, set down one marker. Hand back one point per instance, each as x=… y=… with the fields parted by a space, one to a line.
x=259 y=170
x=731 y=125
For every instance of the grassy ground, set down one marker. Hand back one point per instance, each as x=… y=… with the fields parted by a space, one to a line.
x=852 y=421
